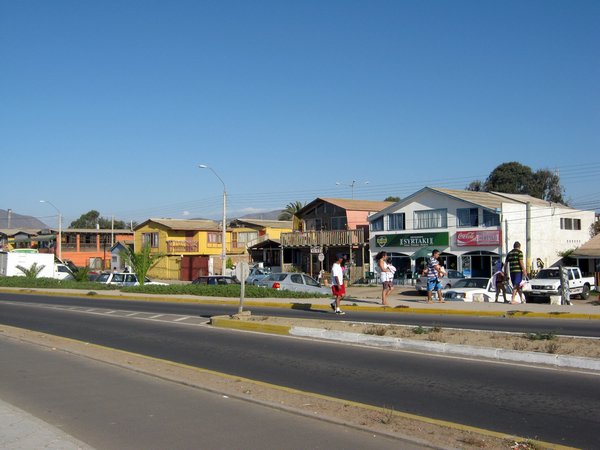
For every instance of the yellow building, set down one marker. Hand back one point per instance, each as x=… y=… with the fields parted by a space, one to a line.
x=190 y=248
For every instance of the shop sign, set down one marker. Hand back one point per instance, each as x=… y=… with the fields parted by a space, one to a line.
x=478 y=238
x=412 y=240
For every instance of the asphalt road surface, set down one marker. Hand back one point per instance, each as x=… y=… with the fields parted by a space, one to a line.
x=553 y=405
x=588 y=328
x=112 y=408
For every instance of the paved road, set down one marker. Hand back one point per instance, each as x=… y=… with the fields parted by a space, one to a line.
x=552 y=405
x=112 y=408
x=589 y=328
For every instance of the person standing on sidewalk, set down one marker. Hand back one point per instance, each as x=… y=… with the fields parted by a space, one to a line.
x=500 y=282
x=435 y=272
x=337 y=284
x=518 y=272
x=385 y=274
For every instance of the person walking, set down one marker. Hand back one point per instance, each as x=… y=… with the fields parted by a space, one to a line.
x=500 y=282
x=516 y=268
x=337 y=284
x=435 y=272
x=386 y=275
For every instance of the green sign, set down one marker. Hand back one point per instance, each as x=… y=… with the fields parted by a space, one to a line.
x=412 y=240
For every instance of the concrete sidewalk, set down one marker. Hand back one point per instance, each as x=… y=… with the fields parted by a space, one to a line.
x=20 y=430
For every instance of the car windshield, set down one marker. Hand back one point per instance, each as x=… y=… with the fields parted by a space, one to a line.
x=471 y=283
x=103 y=278
x=548 y=273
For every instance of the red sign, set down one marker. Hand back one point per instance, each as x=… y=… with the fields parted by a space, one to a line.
x=478 y=238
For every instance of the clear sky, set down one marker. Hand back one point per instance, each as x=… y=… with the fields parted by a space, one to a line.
x=111 y=105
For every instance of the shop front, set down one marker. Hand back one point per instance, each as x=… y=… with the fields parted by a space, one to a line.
x=480 y=252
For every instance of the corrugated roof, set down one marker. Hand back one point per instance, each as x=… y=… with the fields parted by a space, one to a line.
x=354 y=205
x=488 y=200
x=189 y=225
x=522 y=198
x=590 y=249
x=265 y=223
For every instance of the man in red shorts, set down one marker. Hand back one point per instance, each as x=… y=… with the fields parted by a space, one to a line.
x=337 y=284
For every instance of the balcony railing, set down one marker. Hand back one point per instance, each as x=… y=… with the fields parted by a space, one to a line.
x=323 y=238
x=182 y=246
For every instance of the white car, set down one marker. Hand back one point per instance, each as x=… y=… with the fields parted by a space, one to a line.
x=293 y=281
x=257 y=274
x=449 y=280
x=125 y=279
x=475 y=290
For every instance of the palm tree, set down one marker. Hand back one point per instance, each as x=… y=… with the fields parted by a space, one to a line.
x=290 y=209
x=31 y=272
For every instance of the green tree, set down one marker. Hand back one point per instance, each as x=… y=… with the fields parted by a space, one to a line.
x=515 y=178
x=391 y=198
x=92 y=218
x=31 y=272
x=141 y=262
x=290 y=209
x=510 y=178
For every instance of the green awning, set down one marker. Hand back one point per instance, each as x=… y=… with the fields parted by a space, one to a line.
x=423 y=252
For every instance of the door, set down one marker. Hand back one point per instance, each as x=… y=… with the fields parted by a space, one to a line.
x=193 y=267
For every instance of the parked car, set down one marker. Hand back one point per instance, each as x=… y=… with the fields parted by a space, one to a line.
x=447 y=282
x=125 y=279
x=475 y=290
x=293 y=281
x=257 y=274
x=547 y=284
x=215 y=280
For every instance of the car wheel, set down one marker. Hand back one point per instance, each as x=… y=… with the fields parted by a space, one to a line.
x=585 y=292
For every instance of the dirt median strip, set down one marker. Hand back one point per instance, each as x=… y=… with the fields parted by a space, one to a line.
x=428 y=432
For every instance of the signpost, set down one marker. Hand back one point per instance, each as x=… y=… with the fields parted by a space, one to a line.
x=242 y=271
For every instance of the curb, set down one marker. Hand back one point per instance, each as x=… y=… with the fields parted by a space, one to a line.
x=559 y=361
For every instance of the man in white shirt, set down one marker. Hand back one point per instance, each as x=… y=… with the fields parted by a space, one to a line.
x=337 y=284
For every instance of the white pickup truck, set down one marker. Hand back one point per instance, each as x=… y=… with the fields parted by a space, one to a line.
x=547 y=283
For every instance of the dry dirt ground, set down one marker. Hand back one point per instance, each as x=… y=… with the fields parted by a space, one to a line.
x=546 y=342
x=378 y=420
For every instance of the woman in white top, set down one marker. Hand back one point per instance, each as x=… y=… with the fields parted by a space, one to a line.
x=386 y=275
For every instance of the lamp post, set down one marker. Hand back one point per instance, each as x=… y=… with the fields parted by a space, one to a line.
x=351 y=185
x=59 y=227
x=223 y=231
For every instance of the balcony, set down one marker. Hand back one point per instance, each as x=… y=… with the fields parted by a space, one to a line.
x=323 y=238
x=182 y=247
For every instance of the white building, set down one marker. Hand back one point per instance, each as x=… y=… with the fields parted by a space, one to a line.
x=475 y=229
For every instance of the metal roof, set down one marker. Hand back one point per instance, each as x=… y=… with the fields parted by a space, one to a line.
x=185 y=225
x=591 y=249
x=263 y=223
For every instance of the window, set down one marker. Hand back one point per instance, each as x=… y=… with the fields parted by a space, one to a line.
x=396 y=221
x=432 y=218
x=213 y=238
x=150 y=239
x=467 y=217
x=377 y=224
x=490 y=219
x=246 y=237
x=296 y=278
x=339 y=223
x=570 y=224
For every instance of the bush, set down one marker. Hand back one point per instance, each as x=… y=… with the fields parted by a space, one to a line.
x=50 y=283
x=229 y=290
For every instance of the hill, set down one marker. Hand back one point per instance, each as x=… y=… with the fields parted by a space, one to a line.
x=19 y=221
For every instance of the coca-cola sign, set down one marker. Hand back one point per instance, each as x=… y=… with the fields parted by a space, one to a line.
x=487 y=238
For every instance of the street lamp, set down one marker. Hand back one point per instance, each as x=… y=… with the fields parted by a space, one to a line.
x=223 y=231
x=59 y=227
x=351 y=185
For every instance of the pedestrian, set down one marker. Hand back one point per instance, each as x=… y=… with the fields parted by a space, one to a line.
x=499 y=282
x=385 y=274
x=435 y=272
x=337 y=284
x=516 y=268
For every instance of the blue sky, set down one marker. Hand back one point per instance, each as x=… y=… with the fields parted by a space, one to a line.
x=112 y=105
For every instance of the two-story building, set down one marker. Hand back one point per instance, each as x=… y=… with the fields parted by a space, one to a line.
x=264 y=244
x=190 y=248
x=325 y=227
x=475 y=229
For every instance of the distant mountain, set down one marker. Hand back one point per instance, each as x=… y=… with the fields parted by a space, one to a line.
x=20 y=221
x=268 y=215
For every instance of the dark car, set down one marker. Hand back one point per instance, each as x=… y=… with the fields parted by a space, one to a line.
x=215 y=280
